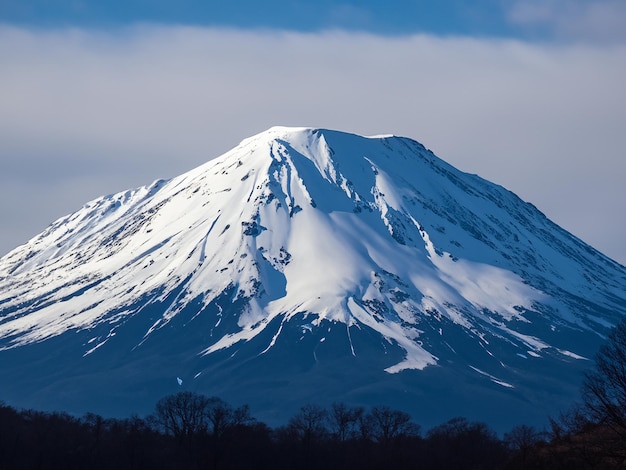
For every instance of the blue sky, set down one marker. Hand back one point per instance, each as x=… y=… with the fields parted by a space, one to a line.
x=101 y=96
x=522 y=19
x=487 y=17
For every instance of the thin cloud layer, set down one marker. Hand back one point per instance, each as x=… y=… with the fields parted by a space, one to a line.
x=86 y=113
x=580 y=20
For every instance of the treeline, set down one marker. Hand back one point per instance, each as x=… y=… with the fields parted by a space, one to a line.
x=191 y=431
x=574 y=442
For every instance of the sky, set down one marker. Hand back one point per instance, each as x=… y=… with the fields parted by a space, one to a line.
x=98 y=97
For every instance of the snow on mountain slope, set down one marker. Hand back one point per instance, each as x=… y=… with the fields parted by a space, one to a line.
x=316 y=230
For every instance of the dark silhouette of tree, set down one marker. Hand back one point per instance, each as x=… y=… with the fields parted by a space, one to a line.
x=221 y=416
x=573 y=442
x=604 y=387
x=10 y=434
x=388 y=424
x=309 y=424
x=203 y=427
x=459 y=443
x=366 y=427
x=343 y=421
x=521 y=440
x=303 y=441
x=591 y=435
x=183 y=415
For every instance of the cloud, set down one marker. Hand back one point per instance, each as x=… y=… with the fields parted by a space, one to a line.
x=598 y=20
x=86 y=113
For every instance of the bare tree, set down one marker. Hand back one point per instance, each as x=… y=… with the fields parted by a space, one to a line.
x=183 y=415
x=309 y=424
x=366 y=427
x=604 y=388
x=344 y=420
x=459 y=443
x=389 y=424
x=522 y=439
x=221 y=416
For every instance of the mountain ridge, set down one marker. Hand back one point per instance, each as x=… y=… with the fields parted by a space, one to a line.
x=302 y=233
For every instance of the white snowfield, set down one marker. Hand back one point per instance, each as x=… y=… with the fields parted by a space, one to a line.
x=364 y=232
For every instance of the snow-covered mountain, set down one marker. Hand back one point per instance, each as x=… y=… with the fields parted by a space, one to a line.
x=308 y=265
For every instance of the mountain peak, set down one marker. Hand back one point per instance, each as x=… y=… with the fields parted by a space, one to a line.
x=313 y=248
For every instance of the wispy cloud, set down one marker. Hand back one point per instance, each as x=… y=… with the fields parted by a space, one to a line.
x=599 y=20
x=86 y=113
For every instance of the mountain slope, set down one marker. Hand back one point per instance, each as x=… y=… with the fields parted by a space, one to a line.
x=312 y=265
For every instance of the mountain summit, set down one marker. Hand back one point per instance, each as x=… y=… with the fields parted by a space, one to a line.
x=308 y=266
